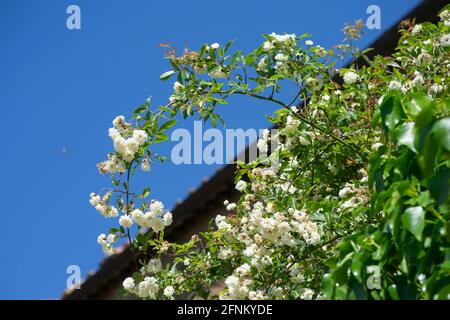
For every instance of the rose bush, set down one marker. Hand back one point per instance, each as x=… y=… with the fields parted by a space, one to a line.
x=361 y=179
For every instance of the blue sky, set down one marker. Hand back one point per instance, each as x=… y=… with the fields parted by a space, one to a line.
x=61 y=88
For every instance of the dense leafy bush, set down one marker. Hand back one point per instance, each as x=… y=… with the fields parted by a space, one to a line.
x=353 y=203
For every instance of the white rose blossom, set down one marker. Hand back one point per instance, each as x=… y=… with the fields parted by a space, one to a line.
x=350 y=77
x=241 y=185
x=125 y=221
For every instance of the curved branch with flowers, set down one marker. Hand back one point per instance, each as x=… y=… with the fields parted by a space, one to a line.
x=362 y=177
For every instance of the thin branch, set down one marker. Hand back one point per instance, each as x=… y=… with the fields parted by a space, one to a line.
x=301 y=117
x=127 y=212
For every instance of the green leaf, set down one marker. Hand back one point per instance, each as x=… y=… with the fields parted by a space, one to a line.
x=221 y=101
x=303 y=36
x=276 y=77
x=166 y=75
x=140 y=109
x=405 y=135
x=114 y=230
x=440 y=186
x=169 y=124
x=145 y=193
x=414 y=220
x=444 y=293
x=418 y=102
x=328 y=286
x=429 y=154
x=391 y=111
x=160 y=137
x=445 y=265
x=227 y=46
x=392 y=289
x=441 y=130
x=424 y=121
x=249 y=60
x=212 y=54
x=357 y=265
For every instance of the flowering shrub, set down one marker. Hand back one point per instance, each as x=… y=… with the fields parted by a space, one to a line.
x=361 y=177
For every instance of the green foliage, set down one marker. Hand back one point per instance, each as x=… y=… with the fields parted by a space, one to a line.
x=358 y=204
x=411 y=244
